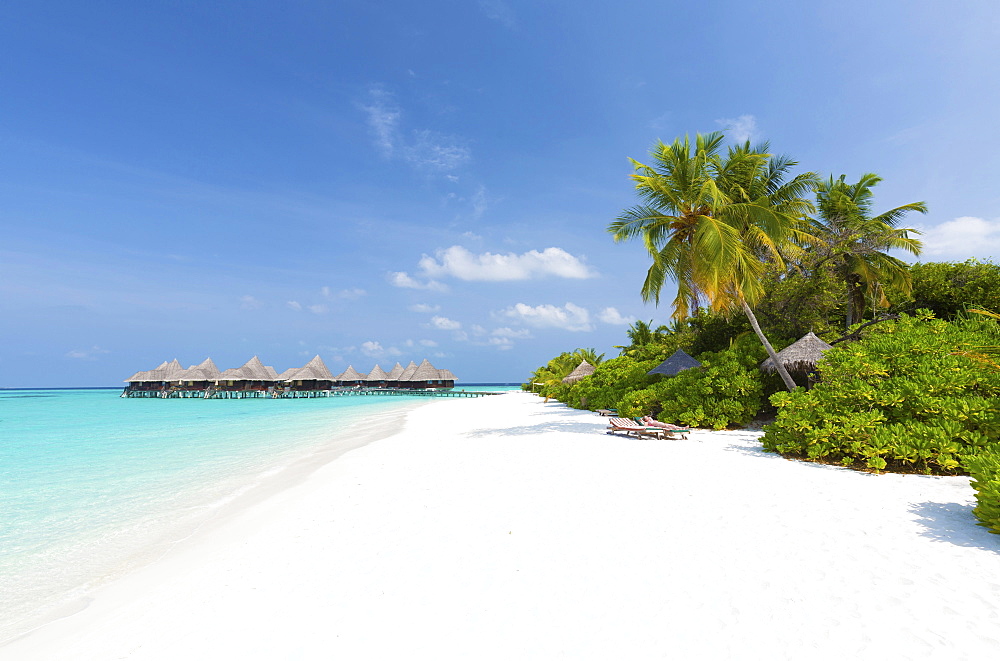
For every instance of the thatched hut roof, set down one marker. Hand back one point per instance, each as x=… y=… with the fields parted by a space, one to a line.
x=205 y=371
x=350 y=374
x=447 y=375
x=425 y=372
x=163 y=372
x=407 y=374
x=252 y=370
x=377 y=374
x=584 y=369
x=678 y=362
x=395 y=373
x=801 y=356
x=314 y=370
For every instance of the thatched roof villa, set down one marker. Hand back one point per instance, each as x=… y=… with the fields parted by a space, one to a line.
x=206 y=379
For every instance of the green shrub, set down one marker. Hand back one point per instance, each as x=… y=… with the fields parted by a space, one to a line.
x=609 y=383
x=985 y=471
x=901 y=399
x=725 y=391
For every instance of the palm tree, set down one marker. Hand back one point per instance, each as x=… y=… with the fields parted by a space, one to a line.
x=855 y=241
x=711 y=221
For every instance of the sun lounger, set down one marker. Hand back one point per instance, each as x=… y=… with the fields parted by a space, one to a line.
x=665 y=426
x=632 y=427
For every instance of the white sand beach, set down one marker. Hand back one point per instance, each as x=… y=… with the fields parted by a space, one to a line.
x=509 y=528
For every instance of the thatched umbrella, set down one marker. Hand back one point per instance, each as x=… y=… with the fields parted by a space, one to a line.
x=801 y=356
x=582 y=370
x=677 y=363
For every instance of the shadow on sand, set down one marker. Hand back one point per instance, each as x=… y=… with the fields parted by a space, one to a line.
x=954 y=523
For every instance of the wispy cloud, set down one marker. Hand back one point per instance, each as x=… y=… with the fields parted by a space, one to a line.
x=499 y=11
x=250 y=303
x=436 y=152
x=569 y=317
x=425 y=150
x=383 y=118
x=741 y=129
x=87 y=354
x=457 y=262
x=425 y=308
x=345 y=294
x=963 y=237
x=294 y=305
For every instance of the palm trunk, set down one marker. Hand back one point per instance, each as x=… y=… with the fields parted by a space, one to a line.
x=785 y=376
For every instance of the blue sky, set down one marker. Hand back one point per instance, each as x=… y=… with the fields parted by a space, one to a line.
x=383 y=181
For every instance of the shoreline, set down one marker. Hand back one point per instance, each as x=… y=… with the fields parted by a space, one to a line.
x=506 y=527
x=290 y=472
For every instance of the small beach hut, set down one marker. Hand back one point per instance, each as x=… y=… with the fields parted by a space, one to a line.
x=377 y=378
x=425 y=376
x=350 y=377
x=394 y=374
x=800 y=357
x=677 y=363
x=252 y=375
x=582 y=370
x=405 y=379
x=447 y=378
x=314 y=375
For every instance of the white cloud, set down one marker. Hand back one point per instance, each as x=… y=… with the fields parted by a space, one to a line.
x=249 y=302
x=612 y=316
x=87 y=354
x=499 y=11
x=319 y=308
x=962 y=238
x=741 y=129
x=459 y=263
x=294 y=305
x=383 y=118
x=444 y=323
x=375 y=349
x=403 y=279
x=428 y=343
x=568 y=317
x=424 y=307
x=510 y=333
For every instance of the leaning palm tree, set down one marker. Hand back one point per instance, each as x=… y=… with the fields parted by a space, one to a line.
x=712 y=220
x=855 y=242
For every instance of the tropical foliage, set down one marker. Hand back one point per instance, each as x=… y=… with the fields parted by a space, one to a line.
x=948 y=288
x=985 y=471
x=902 y=398
x=712 y=221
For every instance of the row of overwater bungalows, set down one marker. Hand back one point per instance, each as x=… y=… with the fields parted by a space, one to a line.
x=255 y=379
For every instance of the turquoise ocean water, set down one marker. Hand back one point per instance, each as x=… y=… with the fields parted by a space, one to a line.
x=93 y=485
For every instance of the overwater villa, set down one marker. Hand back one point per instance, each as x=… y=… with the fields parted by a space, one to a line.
x=255 y=379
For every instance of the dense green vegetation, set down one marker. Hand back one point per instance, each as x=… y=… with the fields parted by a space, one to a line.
x=913 y=385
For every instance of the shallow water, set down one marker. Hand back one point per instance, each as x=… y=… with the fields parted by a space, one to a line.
x=93 y=485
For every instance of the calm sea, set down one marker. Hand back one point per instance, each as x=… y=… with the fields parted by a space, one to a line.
x=93 y=485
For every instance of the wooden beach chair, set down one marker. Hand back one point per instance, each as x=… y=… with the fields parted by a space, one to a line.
x=672 y=431
x=632 y=427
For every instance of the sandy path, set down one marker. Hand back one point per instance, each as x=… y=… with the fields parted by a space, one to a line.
x=505 y=528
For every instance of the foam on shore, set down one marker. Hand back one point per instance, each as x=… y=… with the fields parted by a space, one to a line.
x=505 y=527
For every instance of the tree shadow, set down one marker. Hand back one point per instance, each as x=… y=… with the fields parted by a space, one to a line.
x=954 y=523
